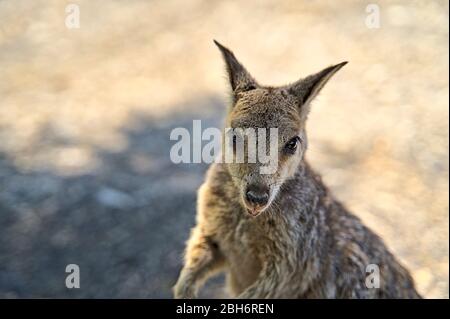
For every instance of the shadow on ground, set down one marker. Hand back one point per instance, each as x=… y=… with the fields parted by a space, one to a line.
x=124 y=224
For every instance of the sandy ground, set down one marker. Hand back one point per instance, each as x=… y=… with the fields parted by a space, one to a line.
x=86 y=113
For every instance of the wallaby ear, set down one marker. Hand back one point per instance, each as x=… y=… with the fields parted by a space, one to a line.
x=240 y=79
x=307 y=89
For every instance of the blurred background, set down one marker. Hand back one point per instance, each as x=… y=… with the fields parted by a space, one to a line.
x=86 y=113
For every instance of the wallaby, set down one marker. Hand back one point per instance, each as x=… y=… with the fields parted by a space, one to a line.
x=282 y=235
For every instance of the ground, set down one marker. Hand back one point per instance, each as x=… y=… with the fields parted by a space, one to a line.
x=86 y=114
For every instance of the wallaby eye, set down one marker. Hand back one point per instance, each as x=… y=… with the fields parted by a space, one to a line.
x=291 y=146
x=234 y=141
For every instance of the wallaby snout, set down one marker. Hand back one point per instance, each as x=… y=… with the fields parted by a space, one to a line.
x=256 y=197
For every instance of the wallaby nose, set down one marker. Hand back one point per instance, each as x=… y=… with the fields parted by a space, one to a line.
x=257 y=195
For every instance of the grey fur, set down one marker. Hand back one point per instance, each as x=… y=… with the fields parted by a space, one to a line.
x=303 y=243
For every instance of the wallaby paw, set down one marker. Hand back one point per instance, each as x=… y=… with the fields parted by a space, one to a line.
x=184 y=290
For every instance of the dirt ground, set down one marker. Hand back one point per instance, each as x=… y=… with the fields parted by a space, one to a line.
x=86 y=113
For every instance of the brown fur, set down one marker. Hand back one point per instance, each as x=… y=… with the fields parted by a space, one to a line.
x=303 y=243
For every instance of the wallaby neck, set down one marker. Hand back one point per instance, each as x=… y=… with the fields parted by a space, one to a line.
x=305 y=187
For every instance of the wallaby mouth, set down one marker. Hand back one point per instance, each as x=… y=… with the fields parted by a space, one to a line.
x=255 y=212
x=254 y=208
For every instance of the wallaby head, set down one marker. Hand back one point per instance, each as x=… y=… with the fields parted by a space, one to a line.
x=257 y=106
